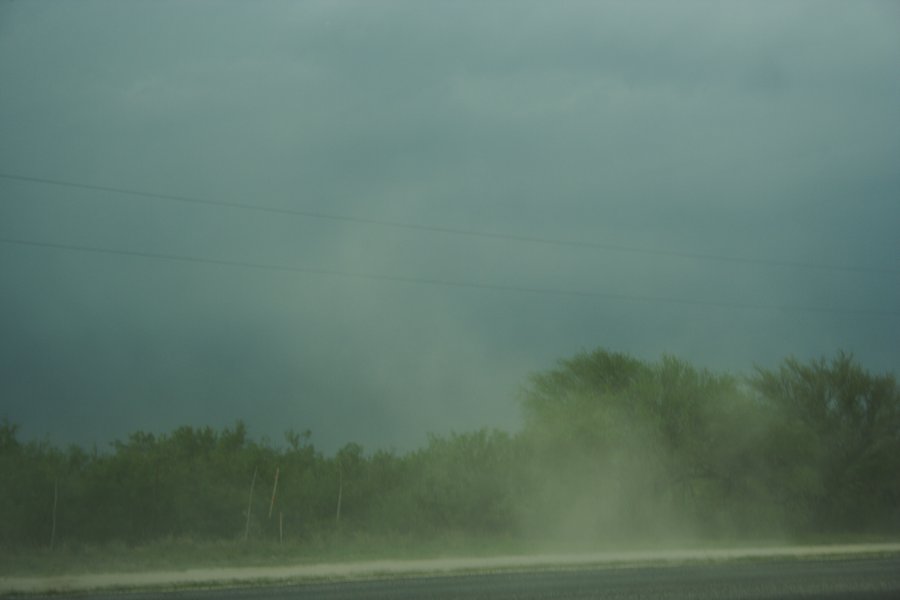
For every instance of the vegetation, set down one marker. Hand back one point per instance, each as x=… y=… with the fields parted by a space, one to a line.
x=613 y=449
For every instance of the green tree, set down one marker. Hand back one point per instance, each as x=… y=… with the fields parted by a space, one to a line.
x=629 y=447
x=466 y=483
x=837 y=449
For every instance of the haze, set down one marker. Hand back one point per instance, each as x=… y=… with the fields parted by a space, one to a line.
x=725 y=177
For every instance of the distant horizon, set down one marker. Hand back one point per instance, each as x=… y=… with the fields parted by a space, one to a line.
x=277 y=439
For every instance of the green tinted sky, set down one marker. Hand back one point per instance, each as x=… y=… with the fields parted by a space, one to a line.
x=757 y=130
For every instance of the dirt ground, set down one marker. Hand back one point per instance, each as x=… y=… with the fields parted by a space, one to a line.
x=389 y=568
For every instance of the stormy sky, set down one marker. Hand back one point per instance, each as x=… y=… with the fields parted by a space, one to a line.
x=373 y=219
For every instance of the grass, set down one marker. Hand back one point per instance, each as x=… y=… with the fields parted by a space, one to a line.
x=183 y=553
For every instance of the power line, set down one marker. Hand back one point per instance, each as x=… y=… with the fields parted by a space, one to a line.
x=455 y=231
x=448 y=283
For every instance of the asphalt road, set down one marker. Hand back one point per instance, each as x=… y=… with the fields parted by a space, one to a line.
x=865 y=578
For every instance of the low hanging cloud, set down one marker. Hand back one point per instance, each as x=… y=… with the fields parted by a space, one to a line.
x=705 y=150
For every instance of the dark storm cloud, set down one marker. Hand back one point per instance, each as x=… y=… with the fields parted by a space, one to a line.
x=764 y=130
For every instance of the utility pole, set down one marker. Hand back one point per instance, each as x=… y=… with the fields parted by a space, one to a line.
x=340 y=492
x=274 y=489
x=249 y=506
x=55 y=501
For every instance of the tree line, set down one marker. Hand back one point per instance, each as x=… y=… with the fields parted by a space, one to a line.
x=612 y=448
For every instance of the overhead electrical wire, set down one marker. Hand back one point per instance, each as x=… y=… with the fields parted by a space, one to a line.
x=452 y=230
x=448 y=282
